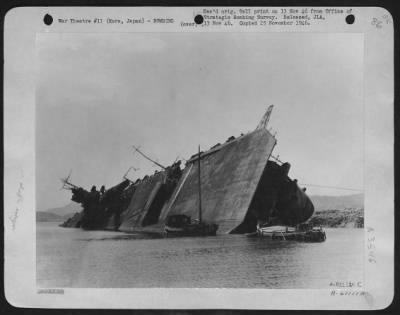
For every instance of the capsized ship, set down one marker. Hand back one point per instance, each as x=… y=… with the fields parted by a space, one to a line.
x=243 y=187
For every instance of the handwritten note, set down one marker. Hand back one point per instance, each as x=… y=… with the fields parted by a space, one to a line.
x=347 y=293
x=379 y=22
x=20 y=199
x=346 y=284
x=371 y=245
x=346 y=288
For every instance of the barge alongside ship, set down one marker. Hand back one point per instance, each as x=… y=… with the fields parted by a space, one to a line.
x=243 y=187
x=299 y=233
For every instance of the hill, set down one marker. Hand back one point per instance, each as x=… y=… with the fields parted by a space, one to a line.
x=355 y=201
x=42 y=216
x=67 y=210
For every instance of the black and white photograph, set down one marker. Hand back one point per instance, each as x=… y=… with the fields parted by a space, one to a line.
x=200 y=159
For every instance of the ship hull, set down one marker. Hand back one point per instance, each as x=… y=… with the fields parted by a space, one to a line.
x=241 y=187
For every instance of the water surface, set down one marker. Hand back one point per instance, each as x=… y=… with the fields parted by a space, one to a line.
x=76 y=258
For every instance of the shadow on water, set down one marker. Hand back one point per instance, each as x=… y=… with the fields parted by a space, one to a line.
x=148 y=236
x=125 y=237
x=219 y=240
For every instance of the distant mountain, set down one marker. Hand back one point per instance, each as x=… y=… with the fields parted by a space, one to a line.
x=42 y=216
x=338 y=202
x=67 y=210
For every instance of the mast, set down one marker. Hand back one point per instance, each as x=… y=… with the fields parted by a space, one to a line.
x=199 y=182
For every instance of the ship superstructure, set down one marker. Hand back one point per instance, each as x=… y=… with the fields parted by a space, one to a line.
x=242 y=188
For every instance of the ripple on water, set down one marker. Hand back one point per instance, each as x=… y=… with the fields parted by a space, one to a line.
x=76 y=258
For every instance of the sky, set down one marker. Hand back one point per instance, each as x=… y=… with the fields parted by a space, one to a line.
x=99 y=94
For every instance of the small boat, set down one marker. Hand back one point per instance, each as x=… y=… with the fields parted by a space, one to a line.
x=285 y=233
x=182 y=225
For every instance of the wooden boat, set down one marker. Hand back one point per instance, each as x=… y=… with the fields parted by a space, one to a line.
x=182 y=225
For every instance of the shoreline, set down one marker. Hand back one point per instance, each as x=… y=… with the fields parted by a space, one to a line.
x=335 y=218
